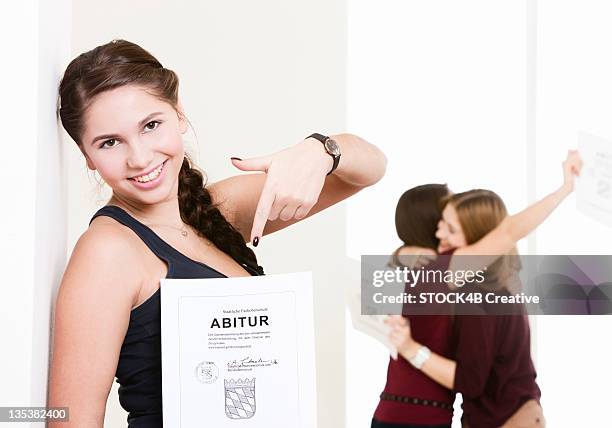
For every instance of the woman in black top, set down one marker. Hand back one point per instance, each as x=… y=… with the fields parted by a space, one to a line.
x=122 y=108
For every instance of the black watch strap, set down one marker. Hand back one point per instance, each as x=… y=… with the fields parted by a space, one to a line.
x=323 y=138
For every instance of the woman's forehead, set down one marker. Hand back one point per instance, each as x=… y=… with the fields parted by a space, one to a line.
x=120 y=108
x=449 y=214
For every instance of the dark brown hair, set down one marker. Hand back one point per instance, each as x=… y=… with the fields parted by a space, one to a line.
x=120 y=63
x=417 y=214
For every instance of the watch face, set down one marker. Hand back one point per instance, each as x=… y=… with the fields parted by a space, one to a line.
x=332 y=147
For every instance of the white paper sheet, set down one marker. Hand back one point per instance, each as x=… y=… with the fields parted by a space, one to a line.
x=238 y=352
x=372 y=325
x=594 y=187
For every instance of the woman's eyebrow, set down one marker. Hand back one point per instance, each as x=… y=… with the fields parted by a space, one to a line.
x=140 y=124
x=149 y=117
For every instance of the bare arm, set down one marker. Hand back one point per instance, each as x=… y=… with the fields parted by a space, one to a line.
x=514 y=228
x=92 y=313
x=295 y=185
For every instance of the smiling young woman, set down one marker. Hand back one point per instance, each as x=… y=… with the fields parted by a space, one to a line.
x=122 y=109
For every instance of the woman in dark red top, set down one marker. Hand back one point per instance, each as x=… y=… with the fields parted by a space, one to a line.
x=492 y=367
x=410 y=398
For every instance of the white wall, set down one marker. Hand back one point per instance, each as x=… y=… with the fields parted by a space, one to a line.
x=255 y=77
x=485 y=94
x=574 y=94
x=441 y=87
x=18 y=255
x=35 y=40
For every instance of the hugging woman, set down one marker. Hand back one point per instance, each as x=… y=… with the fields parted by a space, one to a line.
x=491 y=365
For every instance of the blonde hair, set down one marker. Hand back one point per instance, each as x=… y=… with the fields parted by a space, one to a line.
x=479 y=211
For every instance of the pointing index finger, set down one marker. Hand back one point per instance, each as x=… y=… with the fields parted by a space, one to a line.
x=262 y=212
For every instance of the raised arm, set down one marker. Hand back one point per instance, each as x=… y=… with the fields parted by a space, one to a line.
x=294 y=185
x=91 y=318
x=515 y=227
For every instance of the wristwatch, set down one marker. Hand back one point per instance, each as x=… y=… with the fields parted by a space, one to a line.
x=331 y=147
x=421 y=356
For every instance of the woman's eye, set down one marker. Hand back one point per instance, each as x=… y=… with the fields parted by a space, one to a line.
x=152 y=125
x=108 y=141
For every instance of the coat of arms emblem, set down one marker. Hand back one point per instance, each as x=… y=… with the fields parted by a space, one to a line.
x=239 y=398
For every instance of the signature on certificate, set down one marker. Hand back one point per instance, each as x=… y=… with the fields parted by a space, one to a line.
x=250 y=362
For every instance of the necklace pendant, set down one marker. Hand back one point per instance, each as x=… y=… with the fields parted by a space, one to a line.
x=184 y=232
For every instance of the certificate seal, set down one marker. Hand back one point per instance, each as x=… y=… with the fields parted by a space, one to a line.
x=239 y=398
x=207 y=372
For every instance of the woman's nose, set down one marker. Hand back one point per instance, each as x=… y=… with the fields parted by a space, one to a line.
x=439 y=233
x=140 y=156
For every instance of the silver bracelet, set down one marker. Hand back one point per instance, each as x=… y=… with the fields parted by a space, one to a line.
x=421 y=356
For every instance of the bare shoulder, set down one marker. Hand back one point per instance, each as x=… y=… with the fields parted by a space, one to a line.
x=106 y=258
x=92 y=314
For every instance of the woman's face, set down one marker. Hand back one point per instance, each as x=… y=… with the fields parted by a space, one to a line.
x=129 y=132
x=449 y=230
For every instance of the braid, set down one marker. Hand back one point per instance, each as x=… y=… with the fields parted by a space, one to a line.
x=197 y=210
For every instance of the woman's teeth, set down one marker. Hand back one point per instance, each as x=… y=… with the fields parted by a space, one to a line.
x=152 y=176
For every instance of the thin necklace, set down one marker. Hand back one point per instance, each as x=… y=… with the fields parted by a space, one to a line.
x=182 y=229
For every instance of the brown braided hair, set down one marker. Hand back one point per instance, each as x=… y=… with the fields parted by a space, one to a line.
x=120 y=63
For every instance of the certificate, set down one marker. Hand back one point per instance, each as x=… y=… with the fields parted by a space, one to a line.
x=594 y=187
x=371 y=325
x=238 y=352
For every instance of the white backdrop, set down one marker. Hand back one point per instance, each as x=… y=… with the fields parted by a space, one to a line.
x=35 y=37
x=484 y=94
x=574 y=93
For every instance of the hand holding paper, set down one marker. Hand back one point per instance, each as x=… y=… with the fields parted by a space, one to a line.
x=594 y=189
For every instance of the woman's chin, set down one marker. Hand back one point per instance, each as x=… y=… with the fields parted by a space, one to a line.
x=442 y=248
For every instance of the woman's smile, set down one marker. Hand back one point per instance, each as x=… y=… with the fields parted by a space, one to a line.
x=151 y=180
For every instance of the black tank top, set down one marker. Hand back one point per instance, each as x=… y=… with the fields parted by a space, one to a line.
x=139 y=367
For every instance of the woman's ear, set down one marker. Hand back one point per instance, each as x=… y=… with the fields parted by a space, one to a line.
x=90 y=164
x=181 y=117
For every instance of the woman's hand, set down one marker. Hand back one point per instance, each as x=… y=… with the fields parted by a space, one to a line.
x=401 y=336
x=295 y=178
x=295 y=184
x=415 y=257
x=513 y=228
x=571 y=168
x=437 y=367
